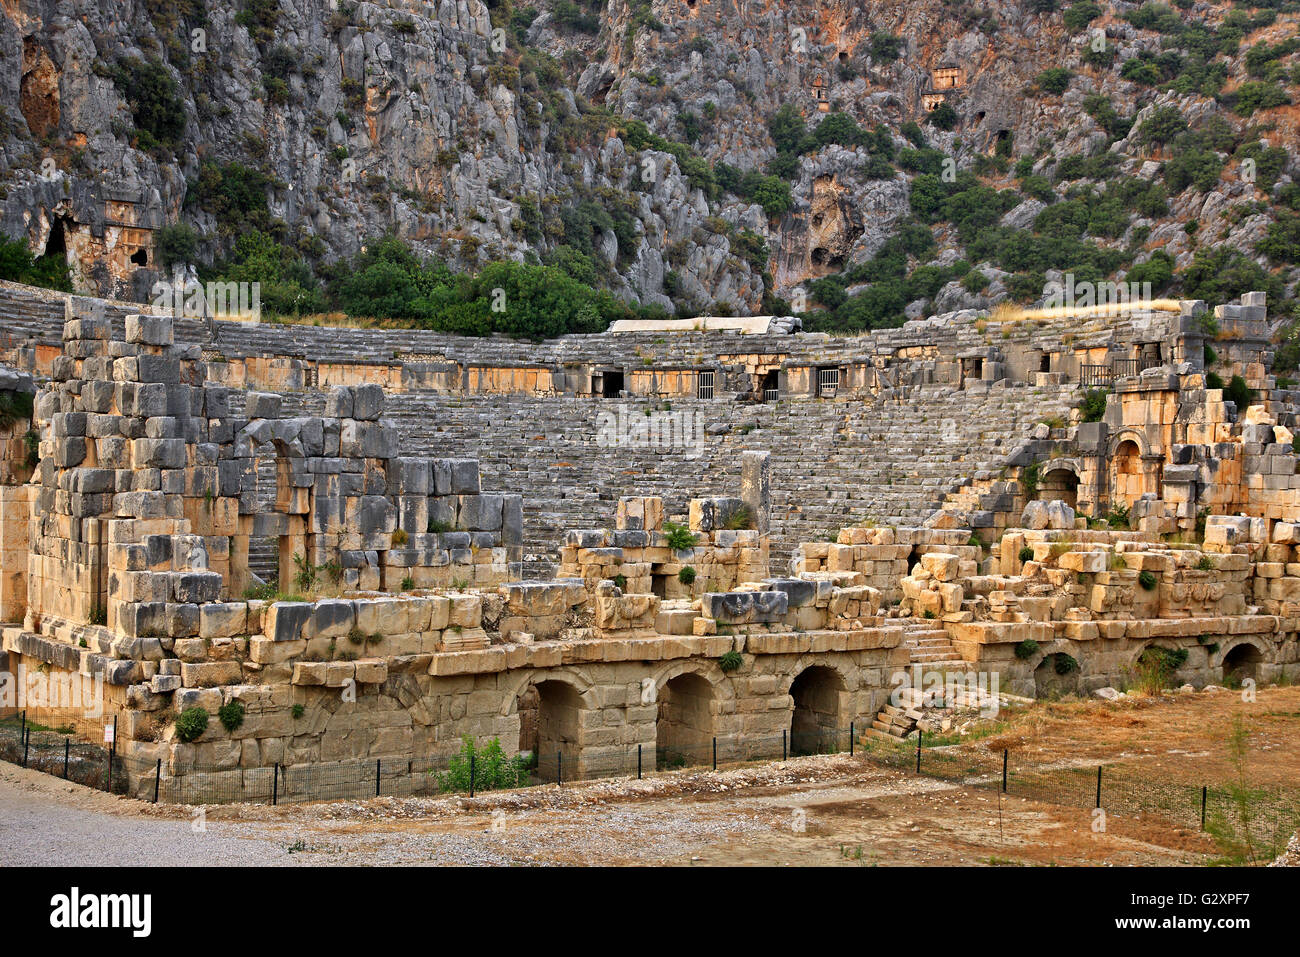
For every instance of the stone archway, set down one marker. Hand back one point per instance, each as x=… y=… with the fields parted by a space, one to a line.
x=1240 y=662
x=1056 y=675
x=684 y=727
x=1127 y=479
x=818 y=693
x=1059 y=484
x=552 y=710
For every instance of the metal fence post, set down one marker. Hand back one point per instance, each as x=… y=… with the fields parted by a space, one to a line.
x=1004 y=770
x=109 y=785
x=1099 y=785
x=850 y=739
x=715 y=752
x=157 y=779
x=559 y=767
x=275 y=785
x=785 y=751
x=918 y=750
x=378 y=761
x=638 y=762
x=1205 y=793
x=471 y=775
x=27 y=743
x=66 y=748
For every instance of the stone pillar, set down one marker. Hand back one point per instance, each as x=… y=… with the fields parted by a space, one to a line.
x=15 y=514
x=755 y=490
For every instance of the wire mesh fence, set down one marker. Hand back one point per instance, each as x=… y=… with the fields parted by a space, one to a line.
x=1247 y=822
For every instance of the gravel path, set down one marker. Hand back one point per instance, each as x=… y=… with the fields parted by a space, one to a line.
x=45 y=820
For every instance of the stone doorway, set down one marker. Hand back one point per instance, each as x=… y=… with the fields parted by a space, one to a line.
x=559 y=727
x=1126 y=468
x=1240 y=663
x=1056 y=675
x=684 y=726
x=817 y=692
x=1059 y=485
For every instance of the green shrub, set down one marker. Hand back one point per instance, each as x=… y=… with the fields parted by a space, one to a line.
x=1026 y=649
x=1064 y=664
x=1259 y=95
x=175 y=243
x=1147 y=579
x=686 y=575
x=298 y=711
x=1238 y=393
x=730 y=660
x=1026 y=554
x=885 y=47
x=492 y=770
x=741 y=518
x=15 y=407
x=155 y=101
x=620 y=581
x=1079 y=15
x=231 y=715
x=943 y=116
x=1093 y=405
x=17 y=264
x=679 y=537
x=1054 y=80
x=191 y=723
x=1163 y=125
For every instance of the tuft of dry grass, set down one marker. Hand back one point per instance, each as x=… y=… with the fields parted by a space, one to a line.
x=1005 y=312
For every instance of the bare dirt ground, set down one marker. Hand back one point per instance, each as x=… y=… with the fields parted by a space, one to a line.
x=825 y=810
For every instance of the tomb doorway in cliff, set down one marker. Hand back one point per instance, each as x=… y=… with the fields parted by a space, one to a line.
x=818 y=695
x=684 y=725
x=770 y=388
x=1059 y=485
x=55 y=253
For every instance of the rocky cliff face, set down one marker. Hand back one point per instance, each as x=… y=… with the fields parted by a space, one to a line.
x=475 y=131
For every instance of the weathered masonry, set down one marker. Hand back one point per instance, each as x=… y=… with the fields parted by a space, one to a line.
x=337 y=562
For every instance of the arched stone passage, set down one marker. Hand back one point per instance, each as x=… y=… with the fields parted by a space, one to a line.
x=1127 y=483
x=684 y=728
x=1242 y=662
x=819 y=694
x=1056 y=675
x=1059 y=484
x=558 y=723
